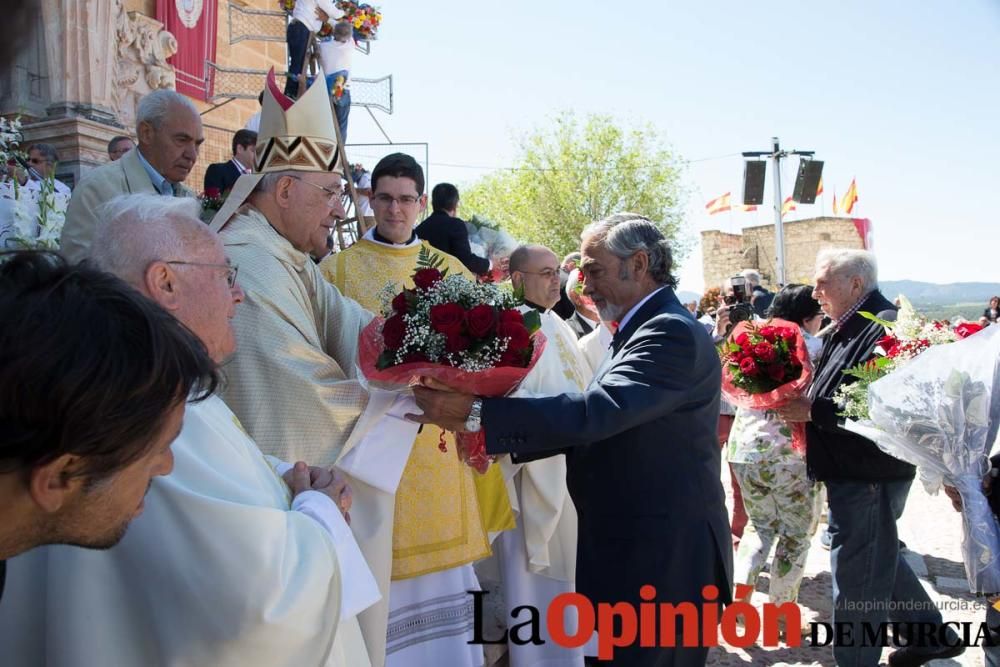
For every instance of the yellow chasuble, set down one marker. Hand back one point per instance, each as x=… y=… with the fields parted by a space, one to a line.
x=444 y=510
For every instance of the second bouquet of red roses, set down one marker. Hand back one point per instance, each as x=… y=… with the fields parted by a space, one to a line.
x=765 y=367
x=469 y=335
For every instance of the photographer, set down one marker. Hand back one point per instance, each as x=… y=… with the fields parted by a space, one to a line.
x=734 y=308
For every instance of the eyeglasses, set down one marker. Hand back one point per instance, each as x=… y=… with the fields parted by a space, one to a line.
x=231 y=271
x=333 y=194
x=548 y=274
x=387 y=200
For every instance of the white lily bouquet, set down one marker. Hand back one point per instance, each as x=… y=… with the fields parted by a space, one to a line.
x=31 y=215
x=940 y=412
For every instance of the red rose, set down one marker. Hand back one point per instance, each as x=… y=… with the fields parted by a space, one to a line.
x=776 y=372
x=765 y=352
x=512 y=358
x=393 y=332
x=447 y=318
x=890 y=345
x=399 y=304
x=426 y=278
x=966 y=329
x=742 y=340
x=514 y=316
x=414 y=357
x=457 y=343
x=749 y=367
x=787 y=333
x=481 y=320
x=769 y=333
x=213 y=193
x=518 y=338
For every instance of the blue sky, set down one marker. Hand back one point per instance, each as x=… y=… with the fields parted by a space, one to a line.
x=904 y=96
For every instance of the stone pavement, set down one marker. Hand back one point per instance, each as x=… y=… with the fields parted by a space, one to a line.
x=932 y=531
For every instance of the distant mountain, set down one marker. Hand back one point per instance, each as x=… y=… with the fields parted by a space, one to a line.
x=688 y=297
x=920 y=293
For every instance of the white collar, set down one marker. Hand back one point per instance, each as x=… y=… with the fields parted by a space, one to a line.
x=631 y=312
x=370 y=236
x=239 y=165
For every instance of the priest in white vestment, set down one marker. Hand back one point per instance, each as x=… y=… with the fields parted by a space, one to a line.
x=228 y=565
x=293 y=382
x=537 y=560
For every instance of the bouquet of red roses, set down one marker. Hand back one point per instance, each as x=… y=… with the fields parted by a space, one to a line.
x=468 y=335
x=765 y=367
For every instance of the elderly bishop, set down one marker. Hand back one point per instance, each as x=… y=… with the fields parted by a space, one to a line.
x=294 y=381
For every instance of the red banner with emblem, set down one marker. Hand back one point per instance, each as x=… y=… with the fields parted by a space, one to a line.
x=194 y=23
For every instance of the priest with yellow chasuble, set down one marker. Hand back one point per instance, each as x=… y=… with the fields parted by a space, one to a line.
x=444 y=511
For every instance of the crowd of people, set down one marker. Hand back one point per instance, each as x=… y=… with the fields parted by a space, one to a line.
x=194 y=471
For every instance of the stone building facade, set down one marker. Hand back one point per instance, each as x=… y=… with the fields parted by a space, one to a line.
x=77 y=83
x=725 y=254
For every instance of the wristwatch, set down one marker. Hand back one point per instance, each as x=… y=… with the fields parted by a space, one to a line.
x=474 y=422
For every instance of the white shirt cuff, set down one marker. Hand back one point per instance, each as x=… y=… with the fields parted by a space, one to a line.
x=358 y=588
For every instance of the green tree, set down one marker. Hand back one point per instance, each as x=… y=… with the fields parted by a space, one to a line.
x=578 y=171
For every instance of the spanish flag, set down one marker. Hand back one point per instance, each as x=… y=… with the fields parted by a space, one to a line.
x=850 y=198
x=787 y=206
x=835 y=202
x=719 y=204
x=819 y=188
x=746 y=208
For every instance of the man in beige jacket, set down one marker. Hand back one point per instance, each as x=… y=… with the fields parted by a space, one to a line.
x=169 y=131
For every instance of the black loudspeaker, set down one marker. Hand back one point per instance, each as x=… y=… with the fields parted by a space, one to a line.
x=753 y=182
x=807 y=182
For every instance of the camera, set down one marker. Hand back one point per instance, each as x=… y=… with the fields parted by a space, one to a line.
x=738 y=303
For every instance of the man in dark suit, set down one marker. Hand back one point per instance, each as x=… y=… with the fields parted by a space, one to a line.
x=446 y=232
x=866 y=488
x=221 y=176
x=643 y=462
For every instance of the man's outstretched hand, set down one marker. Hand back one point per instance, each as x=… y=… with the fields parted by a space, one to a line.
x=441 y=405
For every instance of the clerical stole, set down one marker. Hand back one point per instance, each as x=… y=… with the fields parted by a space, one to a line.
x=444 y=510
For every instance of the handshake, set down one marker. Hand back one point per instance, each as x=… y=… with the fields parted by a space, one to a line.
x=330 y=482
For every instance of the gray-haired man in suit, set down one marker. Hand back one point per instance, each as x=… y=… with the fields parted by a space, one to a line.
x=169 y=132
x=642 y=455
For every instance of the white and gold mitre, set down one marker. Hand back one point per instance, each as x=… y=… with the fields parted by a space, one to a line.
x=296 y=135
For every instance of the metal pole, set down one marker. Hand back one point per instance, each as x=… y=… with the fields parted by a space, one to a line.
x=779 y=232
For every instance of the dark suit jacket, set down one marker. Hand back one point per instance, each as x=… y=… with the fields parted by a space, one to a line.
x=580 y=325
x=450 y=235
x=831 y=452
x=643 y=461
x=221 y=175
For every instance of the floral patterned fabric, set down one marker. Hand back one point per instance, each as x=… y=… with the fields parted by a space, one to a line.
x=782 y=502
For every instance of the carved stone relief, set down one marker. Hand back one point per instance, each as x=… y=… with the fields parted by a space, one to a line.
x=142 y=67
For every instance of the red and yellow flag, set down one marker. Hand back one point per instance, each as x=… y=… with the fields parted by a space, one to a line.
x=835 y=202
x=719 y=204
x=746 y=208
x=850 y=198
x=819 y=188
x=787 y=206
